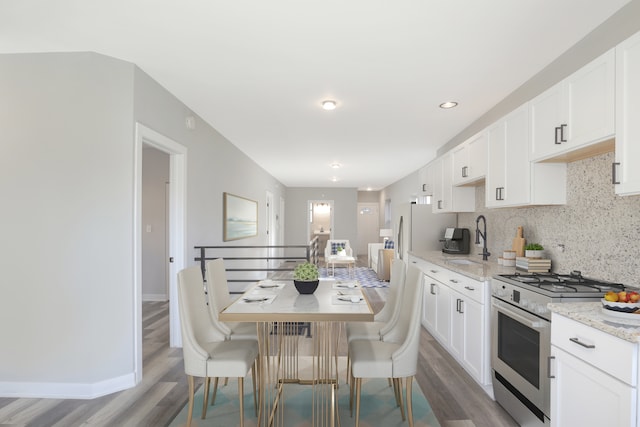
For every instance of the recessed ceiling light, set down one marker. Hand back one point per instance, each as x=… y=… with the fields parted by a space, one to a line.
x=336 y=165
x=329 y=104
x=448 y=104
x=334 y=179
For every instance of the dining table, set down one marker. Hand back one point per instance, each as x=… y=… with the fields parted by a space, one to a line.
x=299 y=338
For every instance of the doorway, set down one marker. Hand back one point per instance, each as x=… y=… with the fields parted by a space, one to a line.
x=145 y=136
x=368 y=226
x=320 y=223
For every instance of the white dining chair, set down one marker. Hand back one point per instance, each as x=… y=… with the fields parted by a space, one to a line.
x=397 y=358
x=206 y=351
x=388 y=315
x=384 y=320
x=219 y=298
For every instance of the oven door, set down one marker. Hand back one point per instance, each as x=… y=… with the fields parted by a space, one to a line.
x=520 y=350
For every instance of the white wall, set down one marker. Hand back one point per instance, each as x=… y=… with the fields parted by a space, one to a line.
x=67 y=181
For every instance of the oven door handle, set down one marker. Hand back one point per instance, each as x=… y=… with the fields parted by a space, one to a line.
x=502 y=307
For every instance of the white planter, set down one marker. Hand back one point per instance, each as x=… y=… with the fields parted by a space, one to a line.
x=533 y=254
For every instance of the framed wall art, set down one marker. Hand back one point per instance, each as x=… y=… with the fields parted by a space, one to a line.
x=240 y=217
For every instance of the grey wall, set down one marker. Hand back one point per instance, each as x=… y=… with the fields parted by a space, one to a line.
x=345 y=218
x=598 y=229
x=67 y=200
x=67 y=169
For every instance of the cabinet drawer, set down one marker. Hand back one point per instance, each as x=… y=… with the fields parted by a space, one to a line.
x=610 y=354
x=466 y=286
x=436 y=272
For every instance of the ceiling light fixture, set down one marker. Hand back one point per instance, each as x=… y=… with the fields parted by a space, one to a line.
x=336 y=165
x=448 y=104
x=334 y=179
x=329 y=105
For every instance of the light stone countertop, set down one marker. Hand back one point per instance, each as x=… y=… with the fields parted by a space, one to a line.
x=478 y=270
x=591 y=314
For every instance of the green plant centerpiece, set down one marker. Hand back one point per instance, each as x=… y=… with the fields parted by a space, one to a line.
x=305 y=278
x=533 y=250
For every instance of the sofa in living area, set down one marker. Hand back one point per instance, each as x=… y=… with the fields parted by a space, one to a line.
x=379 y=259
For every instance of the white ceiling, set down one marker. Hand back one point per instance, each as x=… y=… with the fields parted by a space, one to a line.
x=257 y=70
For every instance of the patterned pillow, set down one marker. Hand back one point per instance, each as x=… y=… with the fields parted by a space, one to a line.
x=336 y=245
x=388 y=244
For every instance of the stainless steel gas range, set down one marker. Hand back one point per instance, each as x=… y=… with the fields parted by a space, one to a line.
x=521 y=337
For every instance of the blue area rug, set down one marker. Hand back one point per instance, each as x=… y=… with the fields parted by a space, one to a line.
x=366 y=276
x=378 y=407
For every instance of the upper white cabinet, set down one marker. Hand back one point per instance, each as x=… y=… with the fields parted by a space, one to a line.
x=446 y=197
x=512 y=180
x=626 y=170
x=470 y=160
x=575 y=113
x=425 y=180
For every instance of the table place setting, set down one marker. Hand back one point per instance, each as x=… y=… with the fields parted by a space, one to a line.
x=347 y=299
x=270 y=284
x=345 y=284
x=257 y=298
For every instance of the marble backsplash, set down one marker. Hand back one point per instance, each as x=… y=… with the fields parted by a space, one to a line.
x=596 y=232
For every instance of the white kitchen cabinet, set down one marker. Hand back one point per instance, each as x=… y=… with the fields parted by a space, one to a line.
x=425 y=180
x=626 y=169
x=470 y=160
x=436 y=303
x=593 y=376
x=446 y=197
x=512 y=180
x=575 y=113
x=456 y=312
x=582 y=395
x=467 y=326
x=429 y=305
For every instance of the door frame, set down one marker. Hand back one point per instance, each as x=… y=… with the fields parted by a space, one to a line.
x=177 y=232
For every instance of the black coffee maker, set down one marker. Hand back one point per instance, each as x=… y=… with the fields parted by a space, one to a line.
x=456 y=241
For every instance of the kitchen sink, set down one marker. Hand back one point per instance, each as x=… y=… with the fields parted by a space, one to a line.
x=461 y=262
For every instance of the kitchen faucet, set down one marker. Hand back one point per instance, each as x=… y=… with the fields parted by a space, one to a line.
x=485 y=252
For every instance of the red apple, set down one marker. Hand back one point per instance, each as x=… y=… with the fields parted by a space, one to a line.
x=634 y=296
x=622 y=296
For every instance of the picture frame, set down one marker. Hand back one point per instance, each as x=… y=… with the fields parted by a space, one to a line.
x=240 y=217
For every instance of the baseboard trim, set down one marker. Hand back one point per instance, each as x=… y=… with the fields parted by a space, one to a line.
x=155 y=297
x=66 y=390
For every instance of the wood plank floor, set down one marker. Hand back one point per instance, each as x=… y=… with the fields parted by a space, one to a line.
x=456 y=399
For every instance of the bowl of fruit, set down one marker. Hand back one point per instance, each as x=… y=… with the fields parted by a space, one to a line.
x=623 y=301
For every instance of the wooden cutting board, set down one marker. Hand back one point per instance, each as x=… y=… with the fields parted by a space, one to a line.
x=518 y=243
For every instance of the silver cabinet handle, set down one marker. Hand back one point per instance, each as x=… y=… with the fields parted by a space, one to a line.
x=470 y=288
x=549 y=367
x=453 y=280
x=434 y=271
x=577 y=341
x=614 y=169
x=432 y=287
x=562 y=128
x=557 y=130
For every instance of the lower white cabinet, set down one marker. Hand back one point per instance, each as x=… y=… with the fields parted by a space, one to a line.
x=467 y=323
x=582 y=395
x=456 y=312
x=594 y=376
x=436 y=313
